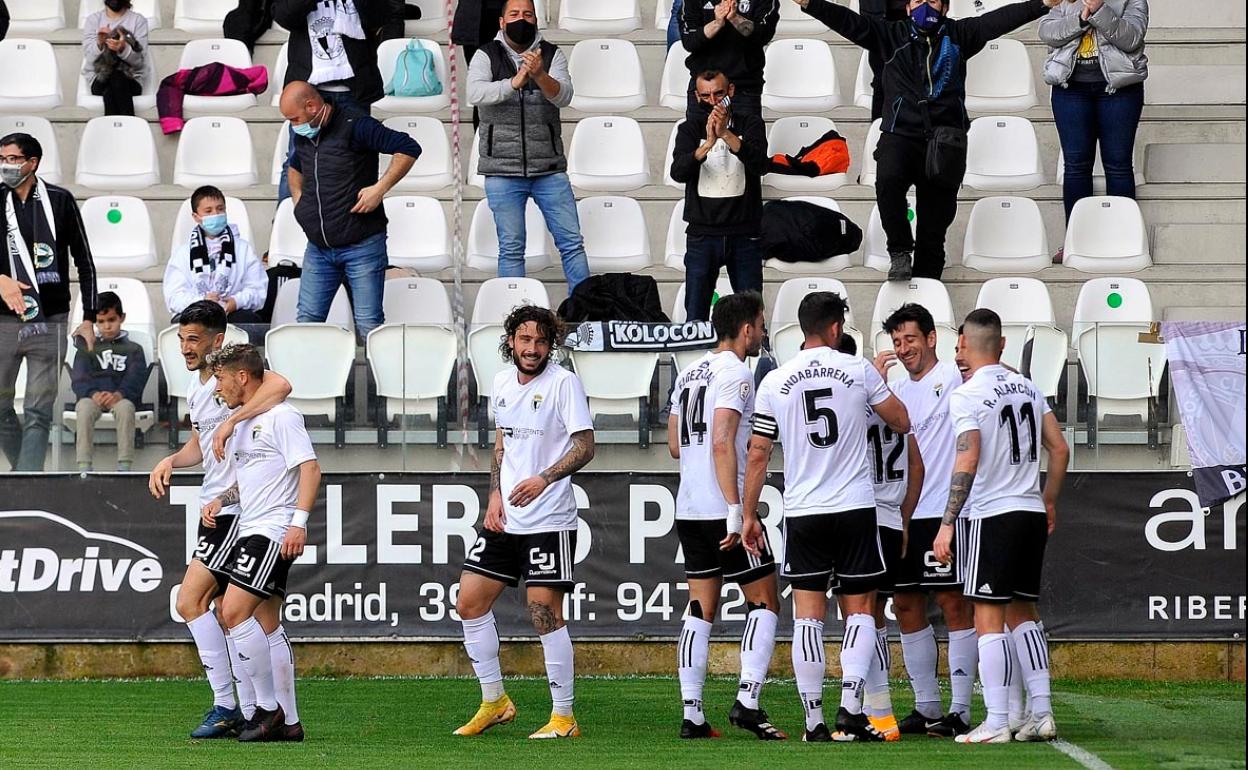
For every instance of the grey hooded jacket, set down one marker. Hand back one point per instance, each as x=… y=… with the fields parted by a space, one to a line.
x=1120 y=28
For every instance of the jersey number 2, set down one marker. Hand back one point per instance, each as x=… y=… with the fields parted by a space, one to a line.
x=828 y=431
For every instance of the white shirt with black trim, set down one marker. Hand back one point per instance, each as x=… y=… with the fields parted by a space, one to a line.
x=927 y=402
x=208 y=411
x=268 y=450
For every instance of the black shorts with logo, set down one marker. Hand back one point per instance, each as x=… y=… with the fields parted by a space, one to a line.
x=258 y=567
x=700 y=539
x=890 y=543
x=1005 y=556
x=541 y=558
x=214 y=548
x=919 y=570
x=841 y=549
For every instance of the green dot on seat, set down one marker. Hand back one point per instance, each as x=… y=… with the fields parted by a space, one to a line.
x=1114 y=300
x=114 y=216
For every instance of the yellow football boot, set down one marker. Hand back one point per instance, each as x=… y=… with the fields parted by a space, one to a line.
x=558 y=727
x=498 y=712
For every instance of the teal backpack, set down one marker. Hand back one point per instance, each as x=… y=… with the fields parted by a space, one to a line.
x=414 y=73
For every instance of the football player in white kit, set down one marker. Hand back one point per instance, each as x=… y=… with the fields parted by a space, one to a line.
x=708 y=430
x=1001 y=419
x=201 y=331
x=816 y=404
x=545 y=434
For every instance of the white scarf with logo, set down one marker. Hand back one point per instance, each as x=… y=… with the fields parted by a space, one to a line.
x=25 y=266
x=328 y=24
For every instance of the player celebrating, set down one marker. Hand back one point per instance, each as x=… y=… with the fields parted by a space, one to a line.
x=708 y=430
x=278 y=479
x=544 y=435
x=926 y=394
x=201 y=330
x=995 y=417
x=816 y=404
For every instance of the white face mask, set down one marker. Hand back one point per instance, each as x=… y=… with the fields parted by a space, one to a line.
x=11 y=174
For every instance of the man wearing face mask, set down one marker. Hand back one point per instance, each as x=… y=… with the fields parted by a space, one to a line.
x=44 y=231
x=215 y=264
x=923 y=87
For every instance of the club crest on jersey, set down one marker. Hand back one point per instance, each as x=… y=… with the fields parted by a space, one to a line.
x=255 y=432
x=216 y=397
x=743 y=6
x=745 y=390
x=938 y=388
x=537 y=401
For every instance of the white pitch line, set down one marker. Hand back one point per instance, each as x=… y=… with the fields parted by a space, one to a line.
x=1080 y=755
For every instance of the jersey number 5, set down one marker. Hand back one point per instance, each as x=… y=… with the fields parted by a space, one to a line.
x=828 y=431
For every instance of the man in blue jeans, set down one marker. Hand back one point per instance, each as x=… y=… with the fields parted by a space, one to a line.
x=519 y=84
x=333 y=181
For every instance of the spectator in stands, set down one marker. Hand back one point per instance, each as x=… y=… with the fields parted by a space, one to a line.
x=333 y=180
x=108 y=379
x=476 y=24
x=114 y=55
x=1097 y=68
x=720 y=156
x=519 y=85
x=673 y=23
x=44 y=229
x=396 y=21
x=923 y=144
x=215 y=264
x=248 y=22
x=880 y=10
x=730 y=36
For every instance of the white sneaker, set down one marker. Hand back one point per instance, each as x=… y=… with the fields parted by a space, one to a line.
x=1037 y=728
x=985 y=734
x=1017 y=722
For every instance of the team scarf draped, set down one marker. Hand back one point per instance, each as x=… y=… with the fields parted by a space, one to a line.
x=328 y=24
x=211 y=277
x=25 y=264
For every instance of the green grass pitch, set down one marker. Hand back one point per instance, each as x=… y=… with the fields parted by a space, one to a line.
x=399 y=723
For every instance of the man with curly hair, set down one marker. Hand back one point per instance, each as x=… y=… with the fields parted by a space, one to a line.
x=544 y=434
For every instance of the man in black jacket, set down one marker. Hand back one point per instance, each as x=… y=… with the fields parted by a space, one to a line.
x=720 y=157
x=923 y=87
x=730 y=36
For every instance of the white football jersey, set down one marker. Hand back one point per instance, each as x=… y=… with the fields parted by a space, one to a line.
x=208 y=411
x=537 y=420
x=927 y=401
x=714 y=381
x=890 y=469
x=268 y=450
x=816 y=405
x=1008 y=411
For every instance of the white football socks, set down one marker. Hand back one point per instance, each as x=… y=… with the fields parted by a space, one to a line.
x=809 y=667
x=691 y=653
x=857 y=651
x=215 y=657
x=995 y=673
x=481 y=644
x=963 y=661
x=242 y=682
x=1018 y=706
x=282 y=655
x=1033 y=658
x=918 y=650
x=879 y=702
x=557 y=649
x=253 y=653
x=757 y=644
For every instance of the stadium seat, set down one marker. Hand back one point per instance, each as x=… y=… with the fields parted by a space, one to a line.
x=614 y=229
x=864 y=94
x=667 y=157
x=1003 y=154
x=318 y=383
x=41 y=129
x=788 y=136
x=286 y=306
x=149 y=8
x=140 y=321
x=1005 y=235
x=278 y=79
x=1106 y=234
x=236 y=212
x=674 y=251
x=875 y=240
x=410 y=300
x=999 y=79
x=146 y=100
x=418 y=236
x=831 y=265
x=800 y=76
x=29 y=79
x=119 y=230
x=176 y=378
x=608 y=154
x=662 y=14
x=432 y=18
x=482 y=251
x=786 y=334
x=495 y=300
x=287 y=241
x=280 y=145
x=201 y=17
x=927 y=292
x=387 y=59
x=232 y=52
x=674 y=90
x=117 y=152
x=432 y=170
x=19 y=389
x=599 y=17
x=619 y=384
x=475 y=177
x=794 y=22
x=35 y=17
x=1098 y=170
x=1027 y=319
x=215 y=151
x=867 y=176
x=961 y=9
x=606 y=76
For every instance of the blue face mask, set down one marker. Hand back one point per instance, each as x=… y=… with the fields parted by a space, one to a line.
x=214 y=224
x=926 y=18
x=306 y=130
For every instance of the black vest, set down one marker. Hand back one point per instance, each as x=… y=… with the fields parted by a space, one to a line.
x=333 y=174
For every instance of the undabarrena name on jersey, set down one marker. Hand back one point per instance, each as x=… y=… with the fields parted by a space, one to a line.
x=816 y=373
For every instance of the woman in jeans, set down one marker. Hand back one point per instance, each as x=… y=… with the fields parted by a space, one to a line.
x=1097 y=68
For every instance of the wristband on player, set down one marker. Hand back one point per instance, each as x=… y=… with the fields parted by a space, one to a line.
x=300 y=519
x=734 y=518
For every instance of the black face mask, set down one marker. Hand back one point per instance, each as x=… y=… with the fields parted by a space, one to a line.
x=522 y=32
x=117 y=6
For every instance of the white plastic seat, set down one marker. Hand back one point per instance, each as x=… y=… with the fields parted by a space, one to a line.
x=278 y=79
x=35 y=17
x=608 y=154
x=495 y=300
x=140 y=322
x=235 y=211
x=119 y=230
x=999 y=78
x=674 y=251
x=961 y=9
x=432 y=170
x=794 y=22
x=662 y=14
x=412 y=300
x=216 y=151
x=1098 y=170
x=318 y=383
x=117 y=152
x=286 y=307
x=599 y=17
x=287 y=241
x=432 y=18
x=787 y=137
x=800 y=76
x=1106 y=234
x=41 y=129
x=146 y=99
x=875 y=240
x=927 y=292
x=482 y=253
x=1027 y=317
x=173 y=369
x=674 y=91
x=1005 y=234
x=197 y=53
x=867 y=175
x=418 y=236
x=29 y=79
x=606 y=76
x=614 y=229
x=1123 y=374
x=617 y=383
x=387 y=59
x=413 y=355
x=280 y=147
x=201 y=17
x=830 y=265
x=786 y=334
x=1003 y=154
x=19 y=389
x=148 y=8
x=475 y=178
x=864 y=94
x=667 y=157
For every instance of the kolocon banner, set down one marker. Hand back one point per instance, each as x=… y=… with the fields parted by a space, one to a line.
x=96 y=558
